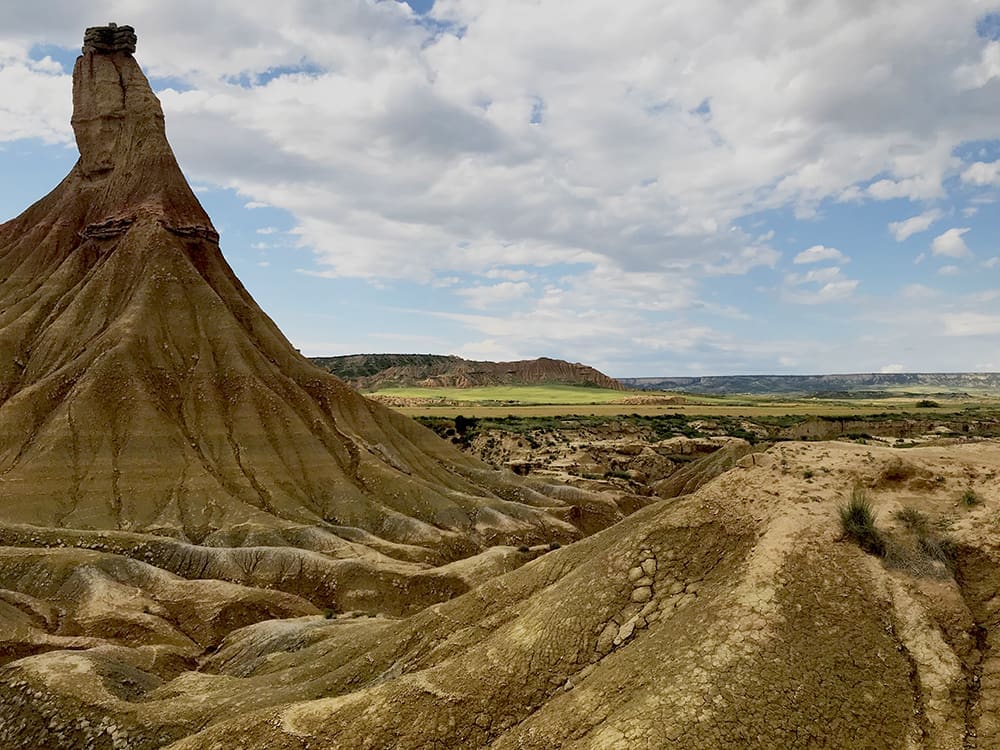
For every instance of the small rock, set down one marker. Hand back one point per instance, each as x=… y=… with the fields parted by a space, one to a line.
x=644 y=581
x=642 y=594
x=649 y=609
x=625 y=632
x=606 y=639
x=649 y=566
x=635 y=573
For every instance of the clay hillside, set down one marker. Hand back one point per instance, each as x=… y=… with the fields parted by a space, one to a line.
x=373 y=372
x=207 y=543
x=153 y=415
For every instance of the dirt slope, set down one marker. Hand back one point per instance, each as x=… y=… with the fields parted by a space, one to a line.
x=372 y=372
x=734 y=617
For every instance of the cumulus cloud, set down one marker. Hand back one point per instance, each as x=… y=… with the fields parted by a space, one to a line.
x=818 y=286
x=475 y=143
x=36 y=97
x=489 y=295
x=982 y=173
x=951 y=244
x=604 y=144
x=820 y=253
x=902 y=230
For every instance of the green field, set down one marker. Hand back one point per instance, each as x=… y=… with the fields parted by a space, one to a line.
x=511 y=394
x=555 y=400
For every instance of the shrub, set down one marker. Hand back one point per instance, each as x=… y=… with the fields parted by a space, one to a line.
x=857 y=520
x=328 y=614
x=554 y=545
x=970 y=498
x=807 y=474
x=913 y=519
x=524 y=549
x=938 y=548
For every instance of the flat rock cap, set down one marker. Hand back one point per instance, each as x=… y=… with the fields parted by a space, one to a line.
x=106 y=40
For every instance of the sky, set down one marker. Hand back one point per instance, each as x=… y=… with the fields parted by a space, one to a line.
x=687 y=188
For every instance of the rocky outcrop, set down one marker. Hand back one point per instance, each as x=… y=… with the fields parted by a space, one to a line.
x=372 y=372
x=109 y=39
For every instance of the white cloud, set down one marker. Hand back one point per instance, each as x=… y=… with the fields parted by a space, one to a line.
x=36 y=100
x=267 y=230
x=982 y=173
x=949 y=271
x=613 y=167
x=902 y=230
x=818 y=286
x=950 y=244
x=894 y=367
x=819 y=253
x=918 y=292
x=411 y=151
x=482 y=297
x=509 y=274
x=971 y=324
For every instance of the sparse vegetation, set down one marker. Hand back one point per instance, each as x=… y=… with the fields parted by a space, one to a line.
x=913 y=519
x=926 y=403
x=616 y=474
x=808 y=474
x=524 y=549
x=920 y=548
x=857 y=521
x=970 y=498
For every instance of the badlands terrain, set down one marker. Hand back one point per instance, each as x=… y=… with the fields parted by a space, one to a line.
x=208 y=542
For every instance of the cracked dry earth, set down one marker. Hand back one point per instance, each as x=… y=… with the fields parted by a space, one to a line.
x=731 y=617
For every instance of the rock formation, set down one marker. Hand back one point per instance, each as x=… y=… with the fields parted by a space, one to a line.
x=143 y=390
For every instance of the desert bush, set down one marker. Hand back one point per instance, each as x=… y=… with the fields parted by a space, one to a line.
x=970 y=498
x=524 y=549
x=808 y=474
x=927 y=403
x=939 y=548
x=913 y=519
x=920 y=548
x=857 y=521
